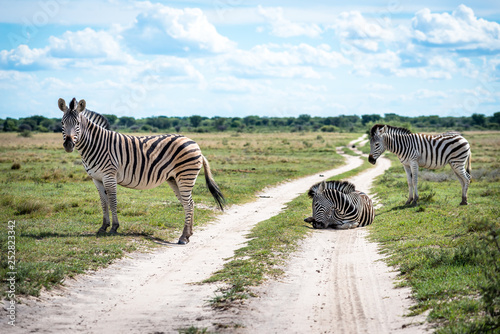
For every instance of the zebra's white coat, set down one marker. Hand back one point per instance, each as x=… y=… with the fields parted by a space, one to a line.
x=416 y=150
x=112 y=158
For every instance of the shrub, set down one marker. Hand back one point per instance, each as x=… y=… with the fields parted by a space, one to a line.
x=25 y=133
x=328 y=128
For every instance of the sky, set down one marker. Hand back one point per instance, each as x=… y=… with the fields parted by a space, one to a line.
x=234 y=58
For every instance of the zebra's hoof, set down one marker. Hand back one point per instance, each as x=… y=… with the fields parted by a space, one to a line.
x=182 y=242
x=100 y=232
x=464 y=203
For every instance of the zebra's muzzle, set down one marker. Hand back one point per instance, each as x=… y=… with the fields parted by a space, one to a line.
x=69 y=145
x=371 y=160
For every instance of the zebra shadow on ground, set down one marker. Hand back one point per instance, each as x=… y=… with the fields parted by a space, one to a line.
x=46 y=235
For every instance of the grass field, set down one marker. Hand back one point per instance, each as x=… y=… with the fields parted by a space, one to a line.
x=448 y=254
x=57 y=210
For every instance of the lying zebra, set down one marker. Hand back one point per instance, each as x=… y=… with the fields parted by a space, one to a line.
x=339 y=205
x=112 y=158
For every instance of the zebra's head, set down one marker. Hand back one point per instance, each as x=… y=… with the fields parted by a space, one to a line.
x=376 y=142
x=71 y=122
x=322 y=207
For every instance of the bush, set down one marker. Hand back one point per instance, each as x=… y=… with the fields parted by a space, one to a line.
x=25 y=127
x=328 y=128
x=25 y=133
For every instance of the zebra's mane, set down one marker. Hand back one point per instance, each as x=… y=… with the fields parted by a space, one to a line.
x=345 y=187
x=391 y=129
x=451 y=133
x=96 y=118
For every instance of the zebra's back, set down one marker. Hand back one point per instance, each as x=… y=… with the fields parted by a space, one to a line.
x=367 y=211
x=435 y=151
x=146 y=162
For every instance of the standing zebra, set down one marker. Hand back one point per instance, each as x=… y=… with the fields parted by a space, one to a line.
x=339 y=205
x=112 y=158
x=420 y=150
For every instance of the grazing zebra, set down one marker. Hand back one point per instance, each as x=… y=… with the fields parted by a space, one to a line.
x=421 y=150
x=339 y=205
x=112 y=158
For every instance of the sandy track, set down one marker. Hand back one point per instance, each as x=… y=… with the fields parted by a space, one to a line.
x=153 y=292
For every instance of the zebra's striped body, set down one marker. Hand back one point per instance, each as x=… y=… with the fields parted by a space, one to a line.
x=416 y=150
x=112 y=158
x=339 y=205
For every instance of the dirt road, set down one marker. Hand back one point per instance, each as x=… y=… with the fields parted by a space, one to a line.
x=335 y=284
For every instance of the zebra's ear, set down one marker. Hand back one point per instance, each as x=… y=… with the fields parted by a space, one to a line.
x=81 y=105
x=322 y=187
x=384 y=129
x=62 y=105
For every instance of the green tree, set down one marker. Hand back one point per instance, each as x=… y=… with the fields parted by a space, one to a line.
x=195 y=120
x=126 y=121
x=10 y=124
x=478 y=119
x=365 y=119
x=111 y=118
x=495 y=118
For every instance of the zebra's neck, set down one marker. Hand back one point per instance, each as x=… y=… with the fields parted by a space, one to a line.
x=339 y=199
x=88 y=137
x=391 y=141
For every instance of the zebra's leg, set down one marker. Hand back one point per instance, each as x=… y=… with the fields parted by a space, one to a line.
x=184 y=194
x=347 y=224
x=187 y=232
x=414 y=174
x=104 y=204
x=464 y=179
x=110 y=186
x=173 y=185
x=409 y=180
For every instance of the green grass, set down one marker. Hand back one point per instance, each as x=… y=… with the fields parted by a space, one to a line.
x=269 y=246
x=57 y=208
x=448 y=254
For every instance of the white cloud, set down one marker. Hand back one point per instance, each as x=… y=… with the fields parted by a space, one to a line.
x=423 y=94
x=231 y=84
x=282 y=27
x=367 y=64
x=375 y=86
x=352 y=28
x=461 y=31
x=159 y=29
x=23 y=58
x=170 y=69
x=88 y=43
x=280 y=61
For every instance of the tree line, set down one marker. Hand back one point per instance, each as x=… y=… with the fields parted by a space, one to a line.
x=342 y=123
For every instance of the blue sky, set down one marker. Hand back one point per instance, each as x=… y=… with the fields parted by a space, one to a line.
x=239 y=58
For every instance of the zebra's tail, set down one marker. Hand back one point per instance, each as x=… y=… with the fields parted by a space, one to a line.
x=469 y=161
x=212 y=186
